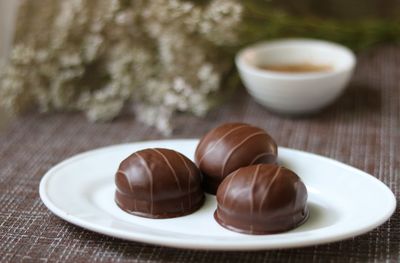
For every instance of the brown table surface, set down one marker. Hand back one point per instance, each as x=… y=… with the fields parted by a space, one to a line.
x=361 y=129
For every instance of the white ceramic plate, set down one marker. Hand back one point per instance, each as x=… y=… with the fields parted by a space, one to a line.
x=343 y=201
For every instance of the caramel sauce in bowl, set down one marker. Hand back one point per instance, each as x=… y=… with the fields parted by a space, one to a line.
x=295 y=76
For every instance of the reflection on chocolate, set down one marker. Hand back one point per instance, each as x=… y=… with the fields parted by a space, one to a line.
x=158 y=183
x=229 y=147
x=261 y=199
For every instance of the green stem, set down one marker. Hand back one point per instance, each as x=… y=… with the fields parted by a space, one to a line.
x=264 y=22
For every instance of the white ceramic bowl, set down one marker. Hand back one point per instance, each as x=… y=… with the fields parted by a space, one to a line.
x=295 y=93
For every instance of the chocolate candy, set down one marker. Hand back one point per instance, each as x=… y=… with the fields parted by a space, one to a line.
x=261 y=199
x=158 y=183
x=229 y=147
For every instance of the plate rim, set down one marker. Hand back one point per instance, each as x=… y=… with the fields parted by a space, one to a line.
x=195 y=244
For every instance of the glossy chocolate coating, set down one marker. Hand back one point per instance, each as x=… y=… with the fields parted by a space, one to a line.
x=229 y=147
x=261 y=199
x=158 y=183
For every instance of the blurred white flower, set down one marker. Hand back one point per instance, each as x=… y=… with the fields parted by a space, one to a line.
x=98 y=56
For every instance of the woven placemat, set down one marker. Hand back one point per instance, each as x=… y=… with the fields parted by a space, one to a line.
x=361 y=129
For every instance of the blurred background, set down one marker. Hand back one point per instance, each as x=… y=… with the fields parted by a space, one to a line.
x=340 y=8
x=158 y=58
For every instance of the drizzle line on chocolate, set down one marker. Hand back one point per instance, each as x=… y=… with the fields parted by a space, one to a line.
x=220 y=140
x=189 y=177
x=269 y=187
x=148 y=171
x=170 y=167
x=229 y=155
x=127 y=179
x=229 y=186
x=253 y=183
x=259 y=156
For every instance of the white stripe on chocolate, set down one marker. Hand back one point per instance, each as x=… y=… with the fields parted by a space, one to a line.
x=228 y=187
x=269 y=187
x=148 y=171
x=229 y=155
x=220 y=140
x=189 y=177
x=253 y=184
x=259 y=156
x=170 y=167
x=127 y=179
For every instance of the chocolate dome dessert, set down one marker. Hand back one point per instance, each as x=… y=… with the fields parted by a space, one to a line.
x=261 y=199
x=229 y=147
x=158 y=183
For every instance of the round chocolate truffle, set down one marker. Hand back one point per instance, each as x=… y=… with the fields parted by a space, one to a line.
x=229 y=147
x=158 y=183
x=261 y=199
